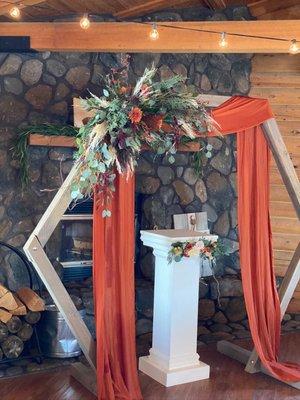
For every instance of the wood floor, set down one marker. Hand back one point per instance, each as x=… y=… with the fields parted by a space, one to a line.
x=228 y=382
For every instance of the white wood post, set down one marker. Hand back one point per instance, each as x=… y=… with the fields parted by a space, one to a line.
x=173 y=357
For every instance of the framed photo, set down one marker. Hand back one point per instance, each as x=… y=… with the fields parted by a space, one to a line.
x=191 y=221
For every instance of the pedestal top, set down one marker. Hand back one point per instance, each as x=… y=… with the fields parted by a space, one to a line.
x=168 y=236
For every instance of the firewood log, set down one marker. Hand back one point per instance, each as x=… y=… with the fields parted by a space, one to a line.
x=12 y=346
x=21 y=309
x=8 y=302
x=3 y=290
x=32 y=301
x=3 y=331
x=32 y=317
x=25 y=332
x=14 y=324
x=5 y=316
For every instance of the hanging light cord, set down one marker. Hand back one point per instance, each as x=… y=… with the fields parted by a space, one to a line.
x=163 y=25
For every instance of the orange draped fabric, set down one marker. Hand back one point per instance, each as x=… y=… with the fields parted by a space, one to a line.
x=113 y=260
x=114 y=255
x=244 y=116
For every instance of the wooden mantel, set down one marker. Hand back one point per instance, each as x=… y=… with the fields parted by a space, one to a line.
x=36 y=139
x=134 y=37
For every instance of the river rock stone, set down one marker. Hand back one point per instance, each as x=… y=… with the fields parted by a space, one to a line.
x=166 y=174
x=228 y=287
x=148 y=185
x=31 y=72
x=215 y=142
x=222 y=226
x=60 y=109
x=61 y=91
x=155 y=212
x=216 y=184
x=12 y=111
x=220 y=328
x=56 y=68
x=144 y=167
x=141 y=60
x=240 y=74
x=13 y=85
x=222 y=162
x=212 y=216
x=236 y=310
x=225 y=84
x=220 y=61
x=189 y=176
x=219 y=318
x=184 y=192
x=39 y=96
x=200 y=190
x=143 y=326
x=144 y=297
x=206 y=309
x=78 y=77
x=205 y=83
x=201 y=61
x=10 y=65
x=167 y=195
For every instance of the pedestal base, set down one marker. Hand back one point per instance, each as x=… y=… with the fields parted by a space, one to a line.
x=176 y=376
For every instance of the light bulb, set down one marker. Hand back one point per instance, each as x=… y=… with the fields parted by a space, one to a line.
x=85 y=23
x=154 y=35
x=15 y=12
x=294 y=48
x=223 y=40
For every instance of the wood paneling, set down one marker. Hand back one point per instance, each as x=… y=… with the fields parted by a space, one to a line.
x=277 y=78
x=178 y=37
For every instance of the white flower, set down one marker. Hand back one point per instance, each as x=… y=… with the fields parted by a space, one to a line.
x=199 y=245
x=209 y=147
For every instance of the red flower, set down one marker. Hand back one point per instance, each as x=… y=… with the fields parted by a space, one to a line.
x=187 y=249
x=135 y=115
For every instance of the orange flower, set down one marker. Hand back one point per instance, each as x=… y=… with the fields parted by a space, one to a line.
x=135 y=115
x=123 y=90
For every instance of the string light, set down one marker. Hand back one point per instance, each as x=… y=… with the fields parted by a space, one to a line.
x=15 y=12
x=154 y=35
x=85 y=23
x=223 y=40
x=294 y=48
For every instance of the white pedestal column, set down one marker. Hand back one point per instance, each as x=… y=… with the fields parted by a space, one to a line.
x=173 y=357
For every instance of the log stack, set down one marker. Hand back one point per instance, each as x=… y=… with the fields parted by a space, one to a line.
x=18 y=313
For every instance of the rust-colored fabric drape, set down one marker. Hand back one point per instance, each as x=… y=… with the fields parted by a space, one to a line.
x=244 y=116
x=113 y=266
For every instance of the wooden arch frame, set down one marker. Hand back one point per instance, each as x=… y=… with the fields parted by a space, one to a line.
x=41 y=234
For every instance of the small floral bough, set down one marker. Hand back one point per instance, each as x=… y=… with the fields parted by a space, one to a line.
x=206 y=249
x=152 y=114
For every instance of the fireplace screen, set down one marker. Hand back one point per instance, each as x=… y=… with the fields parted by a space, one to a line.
x=76 y=236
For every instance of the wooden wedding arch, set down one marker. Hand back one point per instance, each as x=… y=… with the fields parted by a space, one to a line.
x=41 y=234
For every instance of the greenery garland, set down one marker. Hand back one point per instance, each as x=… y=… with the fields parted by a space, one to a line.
x=21 y=145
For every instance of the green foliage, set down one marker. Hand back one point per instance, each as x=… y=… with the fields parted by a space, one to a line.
x=20 y=152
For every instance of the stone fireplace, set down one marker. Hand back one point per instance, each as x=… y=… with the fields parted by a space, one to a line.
x=38 y=88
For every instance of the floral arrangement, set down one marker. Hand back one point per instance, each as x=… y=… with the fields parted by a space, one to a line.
x=152 y=114
x=206 y=249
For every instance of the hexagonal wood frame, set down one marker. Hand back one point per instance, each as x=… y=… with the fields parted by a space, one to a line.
x=41 y=234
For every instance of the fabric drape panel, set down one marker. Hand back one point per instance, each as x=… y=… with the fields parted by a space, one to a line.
x=244 y=116
x=113 y=269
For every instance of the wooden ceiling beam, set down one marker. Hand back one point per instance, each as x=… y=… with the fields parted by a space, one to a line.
x=150 y=6
x=261 y=7
x=173 y=36
x=215 y=4
x=4 y=9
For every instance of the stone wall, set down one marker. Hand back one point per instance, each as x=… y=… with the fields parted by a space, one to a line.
x=36 y=88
